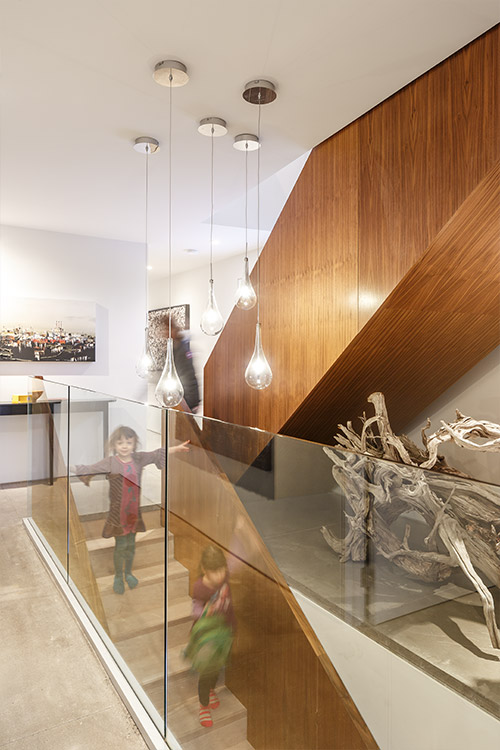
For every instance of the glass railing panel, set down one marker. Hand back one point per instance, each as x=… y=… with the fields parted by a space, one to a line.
x=117 y=558
x=285 y=510
x=48 y=451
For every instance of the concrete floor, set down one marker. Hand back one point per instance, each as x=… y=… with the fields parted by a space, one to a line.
x=55 y=695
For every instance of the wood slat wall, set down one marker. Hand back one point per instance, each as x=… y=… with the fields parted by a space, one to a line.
x=365 y=209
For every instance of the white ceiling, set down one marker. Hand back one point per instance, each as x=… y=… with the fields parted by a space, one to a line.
x=77 y=89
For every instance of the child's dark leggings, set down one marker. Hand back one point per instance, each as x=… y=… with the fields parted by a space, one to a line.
x=206 y=683
x=124 y=554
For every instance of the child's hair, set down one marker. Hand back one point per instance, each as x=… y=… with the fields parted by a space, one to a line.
x=121 y=431
x=212 y=558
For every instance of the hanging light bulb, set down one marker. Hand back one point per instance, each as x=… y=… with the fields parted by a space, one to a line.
x=212 y=322
x=145 y=363
x=245 y=294
x=169 y=391
x=258 y=374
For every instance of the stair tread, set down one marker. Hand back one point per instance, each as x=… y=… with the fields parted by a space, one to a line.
x=179 y=610
x=183 y=719
x=150 y=535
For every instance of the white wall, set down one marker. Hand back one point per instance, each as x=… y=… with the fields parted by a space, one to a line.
x=52 y=265
x=192 y=288
x=404 y=708
x=476 y=394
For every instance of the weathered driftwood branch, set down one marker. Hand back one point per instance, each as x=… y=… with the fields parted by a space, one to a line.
x=462 y=514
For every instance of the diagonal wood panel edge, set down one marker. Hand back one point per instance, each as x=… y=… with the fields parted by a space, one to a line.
x=440 y=320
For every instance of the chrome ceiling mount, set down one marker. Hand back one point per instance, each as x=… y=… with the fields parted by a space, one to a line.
x=260 y=92
x=146 y=145
x=215 y=126
x=246 y=142
x=170 y=73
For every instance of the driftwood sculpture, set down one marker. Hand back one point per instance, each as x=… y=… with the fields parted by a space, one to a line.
x=463 y=516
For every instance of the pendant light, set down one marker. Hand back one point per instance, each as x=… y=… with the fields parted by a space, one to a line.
x=169 y=391
x=145 y=365
x=258 y=374
x=245 y=294
x=212 y=321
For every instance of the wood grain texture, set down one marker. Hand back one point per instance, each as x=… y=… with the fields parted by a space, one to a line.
x=367 y=206
x=308 y=279
x=278 y=664
x=441 y=319
x=422 y=153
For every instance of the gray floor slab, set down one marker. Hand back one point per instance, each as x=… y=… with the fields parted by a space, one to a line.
x=54 y=692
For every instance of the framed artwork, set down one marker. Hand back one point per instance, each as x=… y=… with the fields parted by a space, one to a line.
x=158 y=322
x=47 y=330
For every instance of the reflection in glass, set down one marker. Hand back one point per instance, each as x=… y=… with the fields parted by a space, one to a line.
x=145 y=363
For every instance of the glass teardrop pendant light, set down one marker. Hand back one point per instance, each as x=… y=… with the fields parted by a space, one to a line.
x=169 y=391
x=145 y=363
x=258 y=374
x=245 y=294
x=212 y=322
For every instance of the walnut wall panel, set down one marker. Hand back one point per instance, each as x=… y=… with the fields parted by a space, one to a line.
x=422 y=152
x=308 y=273
x=368 y=204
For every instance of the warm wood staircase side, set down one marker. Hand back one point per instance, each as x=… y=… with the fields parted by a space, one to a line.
x=440 y=320
x=369 y=206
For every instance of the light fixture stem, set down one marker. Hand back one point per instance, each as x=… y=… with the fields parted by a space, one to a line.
x=246 y=200
x=258 y=216
x=146 y=231
x=212 y=201
x=171 y=78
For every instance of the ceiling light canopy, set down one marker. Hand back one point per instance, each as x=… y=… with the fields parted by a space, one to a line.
x=260 y=92
x=246 y=142
x=146 y=145
x=171 y=73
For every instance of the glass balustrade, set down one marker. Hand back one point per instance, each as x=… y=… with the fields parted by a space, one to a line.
x=272 y=545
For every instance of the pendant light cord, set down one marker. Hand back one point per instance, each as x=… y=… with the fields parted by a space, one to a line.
x=171 y=78
x=246 y=200
x=258 y=216
x=211 y=202
x=146 y=232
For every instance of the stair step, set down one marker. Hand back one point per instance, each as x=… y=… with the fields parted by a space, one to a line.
x=144 y=655
x=178 y=633
x=230 y=723
x=145 y=537
x=179 y=611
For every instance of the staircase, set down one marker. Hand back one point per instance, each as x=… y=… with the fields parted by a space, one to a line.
x=135 y=623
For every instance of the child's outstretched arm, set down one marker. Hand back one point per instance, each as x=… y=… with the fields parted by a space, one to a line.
x=86 y=472
x=158 y=456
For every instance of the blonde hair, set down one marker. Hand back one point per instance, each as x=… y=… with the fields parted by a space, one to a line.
x=212 y=558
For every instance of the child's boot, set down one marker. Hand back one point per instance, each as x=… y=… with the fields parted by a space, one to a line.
x=129 y=559
x=205 y=716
